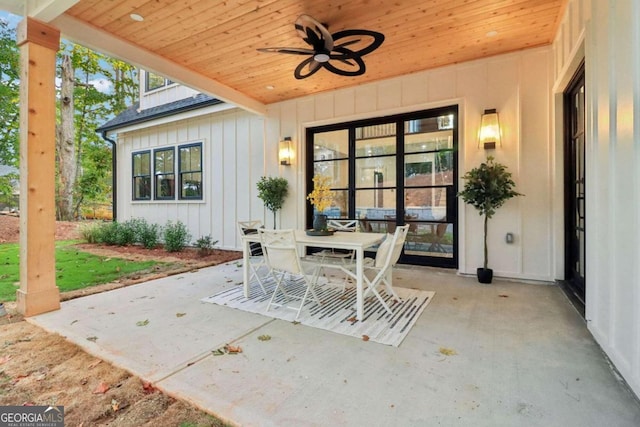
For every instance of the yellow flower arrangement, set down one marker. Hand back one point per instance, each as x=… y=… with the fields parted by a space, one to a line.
x=321 y=196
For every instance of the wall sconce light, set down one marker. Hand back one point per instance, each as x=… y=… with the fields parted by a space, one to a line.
x=285 y=151
x=490 y=133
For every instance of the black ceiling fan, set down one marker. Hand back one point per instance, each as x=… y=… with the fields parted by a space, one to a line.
x=340 y=52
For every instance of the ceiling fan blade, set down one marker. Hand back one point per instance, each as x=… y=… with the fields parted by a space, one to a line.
x=349 y=73
x=290 y=50
x=314 y=66
x=313 y=32
x=378 y=38
x=350 y=42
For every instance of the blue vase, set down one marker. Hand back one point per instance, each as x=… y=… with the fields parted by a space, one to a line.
x=320 y=222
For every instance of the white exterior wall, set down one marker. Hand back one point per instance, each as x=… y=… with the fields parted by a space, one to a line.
x=519 y=86
x=606 y=34
x=233 y=162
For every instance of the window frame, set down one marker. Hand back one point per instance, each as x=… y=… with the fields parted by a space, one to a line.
x=157 y=175
x=180 y=172
x=134 y=176
x=166 y=82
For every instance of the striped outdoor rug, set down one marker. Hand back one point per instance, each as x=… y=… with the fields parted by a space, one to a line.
x=337 y=313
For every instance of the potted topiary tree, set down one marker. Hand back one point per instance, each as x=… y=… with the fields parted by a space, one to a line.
x=487 y=187
x=272 y=191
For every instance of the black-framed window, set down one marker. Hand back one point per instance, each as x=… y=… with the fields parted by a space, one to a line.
x=155 y=81
x=190 y=171
x=391 y=171
x=164 y=170
x=141 y=175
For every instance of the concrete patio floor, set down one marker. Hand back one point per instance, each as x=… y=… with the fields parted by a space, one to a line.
x=523 y=357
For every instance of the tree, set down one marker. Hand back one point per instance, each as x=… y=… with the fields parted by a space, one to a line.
x=89 y=162
x=9 y=109
x=272 y=191
x=487 y=188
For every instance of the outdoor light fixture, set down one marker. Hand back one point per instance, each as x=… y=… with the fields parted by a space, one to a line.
x=285 y=151
x=490 y=135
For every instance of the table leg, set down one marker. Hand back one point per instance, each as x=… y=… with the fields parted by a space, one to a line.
x=245 y=266
x=359 y=284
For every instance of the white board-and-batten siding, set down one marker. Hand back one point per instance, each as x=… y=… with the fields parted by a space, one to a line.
x=233 y=162
x=606 y=36
x=518 y=85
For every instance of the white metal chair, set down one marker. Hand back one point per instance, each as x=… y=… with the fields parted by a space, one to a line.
x=381 y=267
x=336 y=258
x=256 y=258
x=281 y=255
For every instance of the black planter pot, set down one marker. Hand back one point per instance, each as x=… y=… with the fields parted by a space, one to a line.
x=484 y=275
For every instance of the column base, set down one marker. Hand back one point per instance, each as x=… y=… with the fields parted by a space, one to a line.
x=32 y=303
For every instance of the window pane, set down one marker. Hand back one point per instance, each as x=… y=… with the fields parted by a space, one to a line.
x=164 y=161
x=331 y=145
x=430 y=239
x=190 y=158
x=338 y=208
x=376 y=140
x=375 y=204
x=154 y=81
x=429 y=134
x=428 y=169
x=191 y=186
x=165 y=186
x=338 y=170
x=142 y=187
x=376 y=172
x=426 y=203
x=141 y=164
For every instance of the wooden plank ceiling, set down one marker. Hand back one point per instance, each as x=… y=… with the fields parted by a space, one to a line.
x=219 y=38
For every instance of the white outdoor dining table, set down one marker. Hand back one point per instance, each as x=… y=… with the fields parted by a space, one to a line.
x=357 y=242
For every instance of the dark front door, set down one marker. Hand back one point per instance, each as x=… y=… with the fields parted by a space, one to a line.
x=575 y=186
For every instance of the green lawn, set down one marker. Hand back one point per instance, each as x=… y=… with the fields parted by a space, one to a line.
x=74 y=269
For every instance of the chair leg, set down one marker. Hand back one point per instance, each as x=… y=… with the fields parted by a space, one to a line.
x=254 y=273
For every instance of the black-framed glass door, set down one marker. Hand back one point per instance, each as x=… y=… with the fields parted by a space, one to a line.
x=575 y=216
x=392 y=171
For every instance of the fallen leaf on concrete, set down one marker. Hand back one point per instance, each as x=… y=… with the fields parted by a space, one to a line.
x=231 y=349
x=142 y=322
x=352 y=320
x=218 y=352
x=503 y=296
x=92 y=339
x=365 y=338
x=295 y=322
x=264 y=337
x=181 y=314
x=447 y=351
x=102 y=388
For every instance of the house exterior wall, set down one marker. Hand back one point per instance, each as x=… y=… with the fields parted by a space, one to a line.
x=518 y=85
x=233 y=162
x=607 y=36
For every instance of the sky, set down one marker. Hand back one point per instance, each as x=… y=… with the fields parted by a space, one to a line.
x=102 y=84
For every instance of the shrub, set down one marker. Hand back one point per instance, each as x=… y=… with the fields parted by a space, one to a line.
x=176 y=236
x=107 y=233
x=125 y=233
x=205 y=245
x=91 y=233
x=148 y=235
